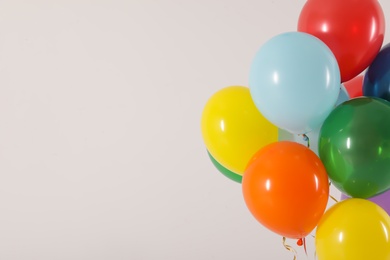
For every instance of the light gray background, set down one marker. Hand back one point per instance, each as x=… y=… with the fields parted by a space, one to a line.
x=101 y=155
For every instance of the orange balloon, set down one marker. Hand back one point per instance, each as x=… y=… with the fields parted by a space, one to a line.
x=286 y=188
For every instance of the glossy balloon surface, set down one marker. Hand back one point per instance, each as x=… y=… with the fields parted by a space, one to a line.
x=295 y=81
x=382 y=200
x=354 y=146
x=377 y=78
x=286 y=188
x=353 y=30
x=354 y=229
x=226 y=172
x=233 y=129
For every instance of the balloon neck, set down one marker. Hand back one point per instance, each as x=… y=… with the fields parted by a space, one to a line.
x=306 y=139
x=302 y=242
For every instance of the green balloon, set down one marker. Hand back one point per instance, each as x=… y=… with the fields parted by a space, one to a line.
x=231 y=175
x=354 y=146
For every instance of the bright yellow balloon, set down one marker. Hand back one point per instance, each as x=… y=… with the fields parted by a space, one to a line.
x=354 y=229
x=233 y=129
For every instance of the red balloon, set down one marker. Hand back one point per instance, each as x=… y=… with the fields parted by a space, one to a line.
x=286 y=188
x=354 y=86
x=352 y=29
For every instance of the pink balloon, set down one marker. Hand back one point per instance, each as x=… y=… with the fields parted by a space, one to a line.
x=383 y=200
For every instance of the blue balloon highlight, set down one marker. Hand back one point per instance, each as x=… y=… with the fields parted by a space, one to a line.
x=295 y=81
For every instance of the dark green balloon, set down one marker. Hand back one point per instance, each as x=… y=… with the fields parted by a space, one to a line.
x=354 y=146
x=231 y=175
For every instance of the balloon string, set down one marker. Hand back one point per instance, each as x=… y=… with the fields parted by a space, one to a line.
x=333 y=198
x=306 y=139
x=315 y=252
x=304 y=245
x=289 y=248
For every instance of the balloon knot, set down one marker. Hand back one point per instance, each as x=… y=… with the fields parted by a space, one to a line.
x=306 y=139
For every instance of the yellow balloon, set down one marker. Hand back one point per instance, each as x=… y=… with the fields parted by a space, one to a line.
x=233 y=128
x=354 y=229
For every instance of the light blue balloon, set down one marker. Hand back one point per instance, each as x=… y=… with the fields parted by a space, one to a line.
x=343 y=96
x=295 y=81
x=312 y=136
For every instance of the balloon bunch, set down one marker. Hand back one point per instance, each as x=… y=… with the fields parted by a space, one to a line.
x=305 y=86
